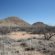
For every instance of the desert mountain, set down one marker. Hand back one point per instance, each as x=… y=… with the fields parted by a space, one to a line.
x=15 y=21
x=18 y=22
x=39 y=25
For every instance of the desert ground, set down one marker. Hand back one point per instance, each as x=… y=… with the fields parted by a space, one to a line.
x=22 y=35
x=22 y=43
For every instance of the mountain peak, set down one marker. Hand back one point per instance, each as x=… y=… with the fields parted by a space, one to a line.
x=15 y=20
x=39 y=24
x=12 y=18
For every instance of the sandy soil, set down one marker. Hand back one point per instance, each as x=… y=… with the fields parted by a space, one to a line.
x=21 y=35
x=39 y=45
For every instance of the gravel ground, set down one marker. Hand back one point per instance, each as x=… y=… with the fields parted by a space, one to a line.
x=29 y=46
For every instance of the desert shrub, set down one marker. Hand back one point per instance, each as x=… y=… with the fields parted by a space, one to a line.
x=29 y=49
x=48 y=36
x=38 y=31
x=29 y=38
x=43 y=48
x=19 y=40
x=34 y=37
x=16 y=51
x=51 y=45
x=45 y=51
x=39 y=42
x=4 y=30
x=23 y=44
x=52 y=52
x=49 y=33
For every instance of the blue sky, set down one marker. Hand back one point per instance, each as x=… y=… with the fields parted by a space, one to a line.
x=29 y=10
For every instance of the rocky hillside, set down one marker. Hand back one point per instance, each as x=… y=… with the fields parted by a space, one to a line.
x=39 y=25
x=19 y=24
x=15 y=21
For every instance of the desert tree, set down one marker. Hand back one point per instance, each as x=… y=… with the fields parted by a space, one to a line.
x=49 y=33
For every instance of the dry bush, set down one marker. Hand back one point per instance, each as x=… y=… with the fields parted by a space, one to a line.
x=23 y=44
x=29 y=49
x=4 y=30
x=47 y=36
x=21 y=40
x=34 y=37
